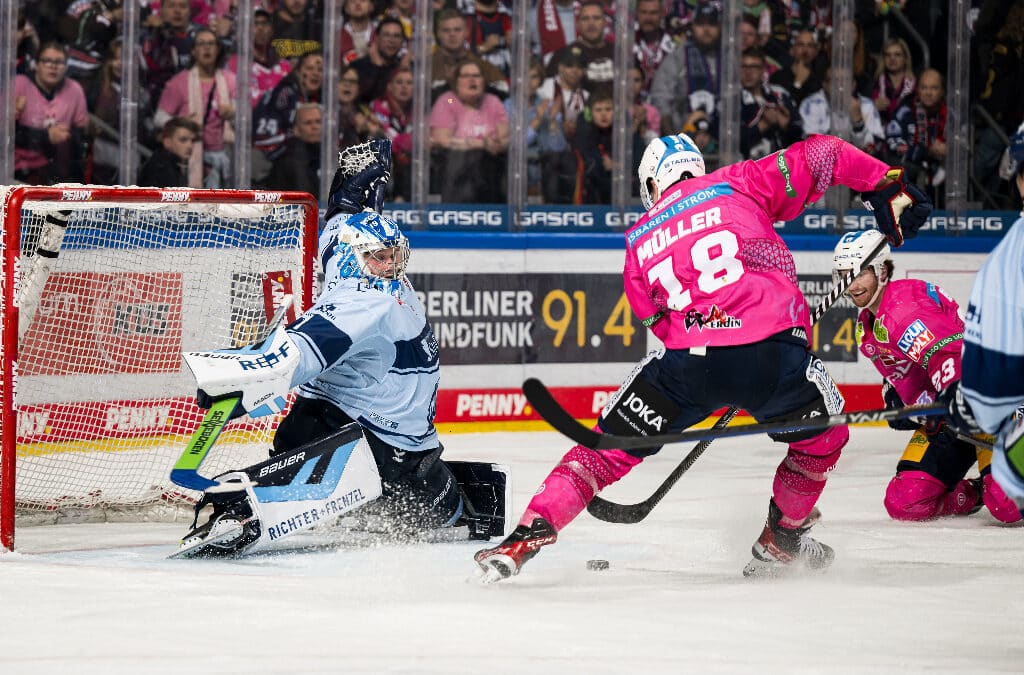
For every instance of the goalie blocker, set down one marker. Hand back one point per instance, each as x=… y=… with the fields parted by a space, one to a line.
x=258 y=508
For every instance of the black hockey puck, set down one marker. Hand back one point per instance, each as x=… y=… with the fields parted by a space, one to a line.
x=597 y=565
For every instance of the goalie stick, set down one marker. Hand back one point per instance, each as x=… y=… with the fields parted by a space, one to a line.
x=185 y=472
x=612 y=512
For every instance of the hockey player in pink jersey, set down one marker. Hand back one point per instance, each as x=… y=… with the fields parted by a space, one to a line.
x=913 y=334
x=707 y=273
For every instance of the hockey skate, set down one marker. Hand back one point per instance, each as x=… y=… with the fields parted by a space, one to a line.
x=232 y=526
x=779 y=550
x=508 y=557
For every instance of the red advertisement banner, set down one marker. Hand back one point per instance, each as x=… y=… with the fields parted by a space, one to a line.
x=89 y=323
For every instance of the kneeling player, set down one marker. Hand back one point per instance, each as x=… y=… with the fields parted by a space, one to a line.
x=364 y=354
x=913 y=334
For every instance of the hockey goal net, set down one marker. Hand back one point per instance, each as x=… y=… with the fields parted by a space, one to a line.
x=102 y=289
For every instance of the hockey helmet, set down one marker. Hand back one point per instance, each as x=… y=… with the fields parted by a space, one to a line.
x=665 y=161
x=853 y=248
x=1014 y=160
x=372 y=247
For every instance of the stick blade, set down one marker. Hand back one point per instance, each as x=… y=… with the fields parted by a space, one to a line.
x=624 y=514
x=190 y=479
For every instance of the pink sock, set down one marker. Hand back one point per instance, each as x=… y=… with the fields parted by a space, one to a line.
x=801 y=476
x=571 y=485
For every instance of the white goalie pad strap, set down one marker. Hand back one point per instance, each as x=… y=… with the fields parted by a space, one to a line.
x=347 y=482
x=261 y=374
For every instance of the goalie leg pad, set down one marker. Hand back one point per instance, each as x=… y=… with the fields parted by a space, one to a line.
x=296 y=490
x=308 y=419
x=487 y=497
x=420 y=491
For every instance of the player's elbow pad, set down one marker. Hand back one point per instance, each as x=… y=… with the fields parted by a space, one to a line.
x=261 y=374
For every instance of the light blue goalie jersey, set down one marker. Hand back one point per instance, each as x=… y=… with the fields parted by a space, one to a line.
x=993 y=361
x=369 y=350
x=374 y=356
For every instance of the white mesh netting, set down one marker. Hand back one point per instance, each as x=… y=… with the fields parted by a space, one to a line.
x=104 y=402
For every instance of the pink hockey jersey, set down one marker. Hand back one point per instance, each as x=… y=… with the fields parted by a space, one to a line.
x=705 y=267
x=915 y=340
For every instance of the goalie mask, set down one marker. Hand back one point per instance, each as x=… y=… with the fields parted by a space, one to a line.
x=370 y=247
x=851 y=251
x=665 y=161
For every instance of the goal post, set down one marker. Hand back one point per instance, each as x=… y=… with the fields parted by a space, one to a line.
x=102 y=289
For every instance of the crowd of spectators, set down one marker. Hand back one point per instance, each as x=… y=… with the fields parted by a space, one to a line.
x=68 y=88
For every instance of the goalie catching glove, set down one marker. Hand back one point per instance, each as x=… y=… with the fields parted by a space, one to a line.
x=900 y=208
x=260 y=375
x=362 y=178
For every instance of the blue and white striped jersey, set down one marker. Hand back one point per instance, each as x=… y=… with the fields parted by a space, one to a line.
x=993 y=360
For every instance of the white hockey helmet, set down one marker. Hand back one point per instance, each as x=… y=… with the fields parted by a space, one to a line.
x=373 y=247
x=665 y=161
x=853 y=248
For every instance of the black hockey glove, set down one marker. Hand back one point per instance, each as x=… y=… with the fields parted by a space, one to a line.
x=900 y=208
x=958 y=413
x=892 y=401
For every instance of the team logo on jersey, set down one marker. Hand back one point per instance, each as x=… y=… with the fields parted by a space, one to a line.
x=715 y=319
x=893 y=362
x=880 y=331
x=915 y=339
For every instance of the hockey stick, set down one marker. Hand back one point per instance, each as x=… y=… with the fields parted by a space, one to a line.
x=555 y=415
x=611 y=512
x=185 y=472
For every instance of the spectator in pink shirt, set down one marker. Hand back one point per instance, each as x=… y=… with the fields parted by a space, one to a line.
x=204 y=93
x=51 y=121
x=469 y=127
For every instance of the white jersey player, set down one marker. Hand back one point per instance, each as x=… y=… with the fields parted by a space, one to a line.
x=363 y=355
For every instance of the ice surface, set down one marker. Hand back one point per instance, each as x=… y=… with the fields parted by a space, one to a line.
x=940 y=597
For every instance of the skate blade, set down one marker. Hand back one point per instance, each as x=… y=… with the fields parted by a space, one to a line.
x=773 y=569
x=763 y=569
x=495 y=568
x=208 y=546
x=489 y=575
